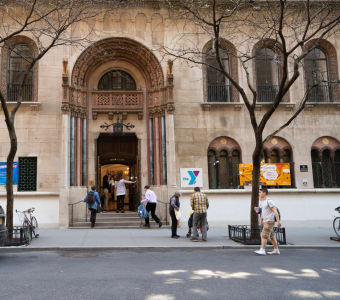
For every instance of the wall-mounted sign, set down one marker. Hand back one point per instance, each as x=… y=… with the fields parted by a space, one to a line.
x=191 y=177
x=303 y=168
x=3 y=173
x=271 y=174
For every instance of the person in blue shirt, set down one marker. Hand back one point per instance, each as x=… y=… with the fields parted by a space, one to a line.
x=93 y=201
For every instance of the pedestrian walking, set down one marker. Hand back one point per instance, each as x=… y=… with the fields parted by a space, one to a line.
x=93 y=202
x=151 y=203
x=200 y=204
x=174 y=206
x=106 y=189
x=121 y=191
x=267 y=218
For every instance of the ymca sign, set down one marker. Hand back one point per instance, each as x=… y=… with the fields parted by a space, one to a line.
x=191 y=177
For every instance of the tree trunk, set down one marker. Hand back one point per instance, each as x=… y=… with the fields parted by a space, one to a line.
x=9 y=177
x=254 y=225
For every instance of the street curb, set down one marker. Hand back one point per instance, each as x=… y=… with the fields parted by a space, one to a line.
x=21 y=249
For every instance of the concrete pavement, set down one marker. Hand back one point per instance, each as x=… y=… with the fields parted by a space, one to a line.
x=306 y=236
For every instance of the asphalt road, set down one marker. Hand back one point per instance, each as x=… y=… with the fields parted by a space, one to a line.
x=169 y=275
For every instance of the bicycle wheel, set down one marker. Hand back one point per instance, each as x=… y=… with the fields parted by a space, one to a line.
x=27 y=234
x=336 y=226
x=34 y=225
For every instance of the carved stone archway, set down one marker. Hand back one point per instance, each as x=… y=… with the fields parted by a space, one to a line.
x=77 y=93
x=118 y=49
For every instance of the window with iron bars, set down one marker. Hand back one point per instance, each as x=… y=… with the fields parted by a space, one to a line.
x=267 y=74
x=116 y=80
x=316 y=68
x=20 y=58
x=27 y=180
x=219 y=87
x=326 y=168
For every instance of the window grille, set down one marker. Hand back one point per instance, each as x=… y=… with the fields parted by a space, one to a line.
x=267 y=74
x=27 y=174
x=117 y=80
x=219 y=87
x=317 y=76
x=20 y=58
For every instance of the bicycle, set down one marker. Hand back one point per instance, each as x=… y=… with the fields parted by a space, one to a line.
x=336 y=223
x=29 y=223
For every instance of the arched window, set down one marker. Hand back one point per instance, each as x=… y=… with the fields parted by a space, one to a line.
x=116 y=80
x=212 y=169
x=316 y=68
x=224 y=157
x=267 y=74
x=326 y=162
x=278 y=150
x=19 y=60
x=219 y=88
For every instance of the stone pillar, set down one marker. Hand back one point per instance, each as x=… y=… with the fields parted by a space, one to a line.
x=65 y=153
x=156 y=149
x=171 y=150
x=78 y=154
x=65 y=159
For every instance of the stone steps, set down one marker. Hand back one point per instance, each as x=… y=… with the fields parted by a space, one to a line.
x=113 y=220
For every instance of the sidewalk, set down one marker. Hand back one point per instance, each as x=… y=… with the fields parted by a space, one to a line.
x=107 y=239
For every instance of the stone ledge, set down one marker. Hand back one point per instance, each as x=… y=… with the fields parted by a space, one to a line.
x=29 y=194
x=35 y=106
x=287 y=105
x=207 y=106
x=310 y=106
x=248 y=191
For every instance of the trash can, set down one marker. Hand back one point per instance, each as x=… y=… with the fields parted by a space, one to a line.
x=3 y=230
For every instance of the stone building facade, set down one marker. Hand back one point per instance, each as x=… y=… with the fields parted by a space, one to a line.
x=182 y=116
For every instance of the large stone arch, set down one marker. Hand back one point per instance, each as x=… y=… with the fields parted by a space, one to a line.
x=123 y=49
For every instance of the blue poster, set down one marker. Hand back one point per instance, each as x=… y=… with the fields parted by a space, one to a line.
x=3 y=172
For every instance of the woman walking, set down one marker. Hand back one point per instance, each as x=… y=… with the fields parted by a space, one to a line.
x=121 y=191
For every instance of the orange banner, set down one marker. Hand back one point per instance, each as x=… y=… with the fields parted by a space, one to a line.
x=271 y=174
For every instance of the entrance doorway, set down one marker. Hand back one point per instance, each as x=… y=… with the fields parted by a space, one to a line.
x=119 y=153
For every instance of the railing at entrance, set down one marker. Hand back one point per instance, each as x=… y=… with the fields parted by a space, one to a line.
x=126 y=100
x=71 y=206
x=166 y=211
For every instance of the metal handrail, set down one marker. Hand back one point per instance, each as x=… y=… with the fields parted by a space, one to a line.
x=166 y=210
x=72 y=205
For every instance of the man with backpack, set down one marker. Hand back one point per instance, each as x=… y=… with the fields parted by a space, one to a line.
x=93 y=202
x=269 y=214
x=151 y=203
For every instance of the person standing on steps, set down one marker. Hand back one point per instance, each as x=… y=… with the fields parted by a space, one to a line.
x=151 y=203
x=93 y=202
x=174 y=206
x=121 y=191
x=106 y=189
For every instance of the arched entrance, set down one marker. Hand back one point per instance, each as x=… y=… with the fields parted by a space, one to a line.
x=119 y=153
x=117 y=78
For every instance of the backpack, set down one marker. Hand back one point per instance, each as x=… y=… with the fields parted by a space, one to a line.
x=278 y=212
x=90 y=198
x=142 y=212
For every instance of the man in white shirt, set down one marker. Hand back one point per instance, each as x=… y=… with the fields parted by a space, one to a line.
x=151 y=202
x=267 y=219
x=121 y=191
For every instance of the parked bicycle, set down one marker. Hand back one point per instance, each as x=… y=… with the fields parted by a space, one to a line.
x=336 y=223
x=29 y=223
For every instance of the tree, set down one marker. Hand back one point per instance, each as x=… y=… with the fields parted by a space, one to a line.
x=48 y=24
x=292 y=28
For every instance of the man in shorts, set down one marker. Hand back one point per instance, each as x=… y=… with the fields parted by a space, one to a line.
x=268 y=216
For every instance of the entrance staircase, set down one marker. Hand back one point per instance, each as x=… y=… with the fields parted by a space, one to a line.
x=113 y=220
